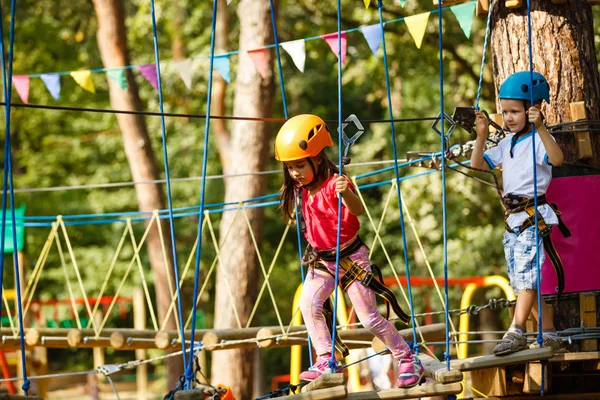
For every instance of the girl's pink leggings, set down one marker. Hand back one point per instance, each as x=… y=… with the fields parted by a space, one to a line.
x=319 y=285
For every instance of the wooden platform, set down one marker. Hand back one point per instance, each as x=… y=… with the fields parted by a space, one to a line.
x=325 y=381
x=425 y=390
x=437 y=370
x=491 y=361
x=337 y=392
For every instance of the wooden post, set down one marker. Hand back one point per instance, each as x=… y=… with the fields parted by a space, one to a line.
x=533 y=378
x=139 y=322
x=584 y=143
x=587 y=312
x=490 y=381
x=513 y=3
x=482 y=8
x=98 y=352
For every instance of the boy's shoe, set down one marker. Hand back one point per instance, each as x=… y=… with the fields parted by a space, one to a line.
x=321 y=367
x=511 y=342
x=410 y=373
x=552 y=341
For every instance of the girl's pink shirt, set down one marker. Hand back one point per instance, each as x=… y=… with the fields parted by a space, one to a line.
x=320 y=216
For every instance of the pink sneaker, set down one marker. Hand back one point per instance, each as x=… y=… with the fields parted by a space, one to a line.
x=321 y=367
x=410 y=373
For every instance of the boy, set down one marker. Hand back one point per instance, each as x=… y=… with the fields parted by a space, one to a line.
x=514 y=155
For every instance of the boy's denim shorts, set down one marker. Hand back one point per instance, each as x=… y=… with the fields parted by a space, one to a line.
x=519 y=250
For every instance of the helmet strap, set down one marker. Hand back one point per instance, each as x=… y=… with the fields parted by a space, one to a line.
x=515 y=138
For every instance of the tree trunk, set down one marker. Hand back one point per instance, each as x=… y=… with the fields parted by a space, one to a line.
x=563 y=51
x=249 y=147
x=113 y=50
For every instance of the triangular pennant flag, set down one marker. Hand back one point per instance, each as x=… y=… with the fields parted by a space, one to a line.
x=416 y=26
x=148 y=71
x=259 y=58
x=228 y=2
x=297 y=50
x=184 y=67
x=52 y=82
x=372 y=34
x=21 y=83
x=402 y=2
x=367 y=2
x=464 y=14
x=332 y=41
x=118 y=76
x=84 y=79
x=222 y=64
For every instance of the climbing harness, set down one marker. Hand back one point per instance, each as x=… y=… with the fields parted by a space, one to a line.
x=516 y=204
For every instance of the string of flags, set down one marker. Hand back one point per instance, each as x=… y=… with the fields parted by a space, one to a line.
x=416 y=24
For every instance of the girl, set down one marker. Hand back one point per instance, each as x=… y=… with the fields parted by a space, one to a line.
x=311 y=176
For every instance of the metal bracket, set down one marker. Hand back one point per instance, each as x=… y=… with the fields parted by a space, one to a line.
x=350 y=141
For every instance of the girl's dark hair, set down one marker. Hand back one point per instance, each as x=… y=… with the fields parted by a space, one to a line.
x=287 y=193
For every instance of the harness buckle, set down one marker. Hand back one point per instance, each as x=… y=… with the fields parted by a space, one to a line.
x=366 y=279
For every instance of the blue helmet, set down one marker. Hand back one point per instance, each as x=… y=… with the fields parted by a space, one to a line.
x=516 y=87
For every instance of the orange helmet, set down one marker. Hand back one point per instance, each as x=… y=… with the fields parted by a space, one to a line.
x=302 y=136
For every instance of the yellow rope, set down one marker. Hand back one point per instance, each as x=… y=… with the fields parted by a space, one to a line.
x=214 y=265
x=166 y=263
x=67 y=280
x=37 y=271
x=7 y=307
x=39 y=265
x=183 y=276
x=76 y=268
x=125 y=276
x=108 y=274
x=267 y=276
x=136 y=257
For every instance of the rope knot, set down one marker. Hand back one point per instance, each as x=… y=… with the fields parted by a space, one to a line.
x=26 y=385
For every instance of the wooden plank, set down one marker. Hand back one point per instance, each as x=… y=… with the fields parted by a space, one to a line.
x=482 y=7
x=489 y=381
x=338 y=392
x=513 y=3
x=425 y=390
x=489 y=361
x=437 y=370
x=584 y=143
x=587 y=313
x=532 y=383
x=579 y=356
x=325 y=381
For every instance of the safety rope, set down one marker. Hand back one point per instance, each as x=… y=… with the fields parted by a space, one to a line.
x=175 y=265
x=485 y=45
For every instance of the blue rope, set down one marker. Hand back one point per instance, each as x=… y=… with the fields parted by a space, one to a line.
x=285 y=114
x=444 y=210
x=281 y=81
x=168 y=179
x=8 y=174
x=540 y=337
x=398 y=191
x=189 y=373
x=332 y=362
x=485 y=45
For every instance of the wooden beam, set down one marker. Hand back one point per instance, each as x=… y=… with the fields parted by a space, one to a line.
x=425 y=390
x=431 y=333
x=489 y=361
x=513 y=3
x=584 y=143
x=587 y=314
x=489 y=381
x=437 y=370
x=169 y=340
x=579 y=356
x=338 y=392
x=532 y=383
x=325 y=381
x=216 y=339
x=482 y=7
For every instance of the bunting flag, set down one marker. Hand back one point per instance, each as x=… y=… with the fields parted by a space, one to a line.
x=184 y=67
x=228 y=2
x=332 y=41
x=84 y=79
x=148 y=71
x=222 y=64
x=21 y=83
x=118 y=76
x=52 y=82
x=464 y=14
x=367 y=2
x=372 y=34
x=297 y=50
x=402 y=3
x=259 y=58
x=416 y=26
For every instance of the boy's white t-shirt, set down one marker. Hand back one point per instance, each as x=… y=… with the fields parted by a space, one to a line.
x=517 y=173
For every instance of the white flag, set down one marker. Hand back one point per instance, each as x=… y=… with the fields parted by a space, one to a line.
x=297 y=50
